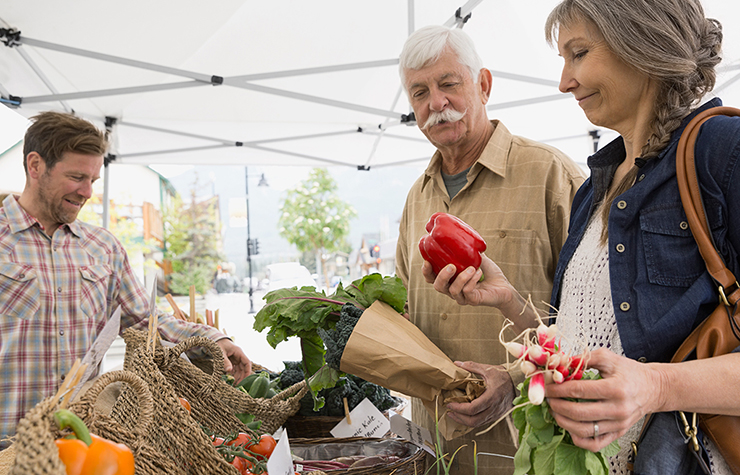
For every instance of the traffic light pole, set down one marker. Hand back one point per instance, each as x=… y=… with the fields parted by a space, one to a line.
x=249 y=242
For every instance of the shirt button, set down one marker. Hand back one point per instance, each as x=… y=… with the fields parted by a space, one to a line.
x=61 y=332
x=63 y=376
x=620 y=247
x=642 y=359
x=444 y=316
x=684 y=225
x=21 y=276
x=622 y=204
x=641 y=177
x=624 y=306
x=59 y=289
x=502 y=234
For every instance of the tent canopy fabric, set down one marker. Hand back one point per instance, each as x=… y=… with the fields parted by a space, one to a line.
x=241 y=82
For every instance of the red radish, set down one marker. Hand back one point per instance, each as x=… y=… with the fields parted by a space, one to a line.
x=557 y=377
x=537 y=355
x=554 y=360
x=562 y=370
x=536 y=392
x=575 y=375
x=517 y=350
x=528 y=368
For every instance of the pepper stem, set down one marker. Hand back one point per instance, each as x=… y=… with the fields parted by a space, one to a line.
x=66 y=418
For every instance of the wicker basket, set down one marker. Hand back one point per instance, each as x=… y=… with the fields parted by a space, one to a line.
x=214 y=402
x=413 y=461
x=173 y=431
x=148 y=460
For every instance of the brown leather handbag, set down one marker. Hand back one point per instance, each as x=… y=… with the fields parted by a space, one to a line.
x=720 y=332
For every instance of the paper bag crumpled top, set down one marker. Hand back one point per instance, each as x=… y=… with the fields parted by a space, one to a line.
x=388 y=350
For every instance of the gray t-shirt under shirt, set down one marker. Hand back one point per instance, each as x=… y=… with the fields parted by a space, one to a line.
x=455 y=183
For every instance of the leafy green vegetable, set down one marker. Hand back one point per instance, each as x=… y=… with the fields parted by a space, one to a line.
x=302 y=312
x=546 y=449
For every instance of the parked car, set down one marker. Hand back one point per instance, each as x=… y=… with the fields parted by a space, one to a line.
x=288 y=274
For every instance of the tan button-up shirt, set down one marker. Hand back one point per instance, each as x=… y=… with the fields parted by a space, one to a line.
x=518 y=198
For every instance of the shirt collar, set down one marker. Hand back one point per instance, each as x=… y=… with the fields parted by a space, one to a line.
x=604 y=163
x=19 y=219
x=494 y=155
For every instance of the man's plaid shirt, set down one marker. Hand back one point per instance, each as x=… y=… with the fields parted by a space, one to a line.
x=56 y=293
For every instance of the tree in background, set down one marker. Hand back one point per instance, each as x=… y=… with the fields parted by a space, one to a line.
x=315 y=219
x=125 y=230
x=192 y=236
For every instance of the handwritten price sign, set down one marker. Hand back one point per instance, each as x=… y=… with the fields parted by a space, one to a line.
x=367 y=421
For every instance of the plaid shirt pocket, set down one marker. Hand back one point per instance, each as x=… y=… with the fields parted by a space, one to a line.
x=94 y=289
x=19 y=291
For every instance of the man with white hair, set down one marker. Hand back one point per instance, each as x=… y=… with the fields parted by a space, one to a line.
x=515 y=192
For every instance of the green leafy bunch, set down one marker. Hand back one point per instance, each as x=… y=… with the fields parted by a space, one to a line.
x=545 y=448
x=302 y=312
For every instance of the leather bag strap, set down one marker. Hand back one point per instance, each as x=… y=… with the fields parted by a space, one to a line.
x=688 y=186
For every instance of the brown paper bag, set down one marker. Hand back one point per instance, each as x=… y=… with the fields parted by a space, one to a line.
x=388 y=350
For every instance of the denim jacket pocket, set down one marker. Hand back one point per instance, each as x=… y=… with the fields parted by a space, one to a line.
x=671 y=253
x=93 y=289
x=19 y=291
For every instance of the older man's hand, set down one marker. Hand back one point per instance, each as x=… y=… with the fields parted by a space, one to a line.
x=492 y=404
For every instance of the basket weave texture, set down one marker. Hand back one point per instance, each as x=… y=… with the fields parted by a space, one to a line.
x=147 y=459
x=173 y=431
x=35 y=450
x=412 y=464
x=214 y=402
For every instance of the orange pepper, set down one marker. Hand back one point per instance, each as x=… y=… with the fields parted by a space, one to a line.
x=90 y=454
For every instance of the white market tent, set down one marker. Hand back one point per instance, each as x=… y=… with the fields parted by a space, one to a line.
x=283 y=82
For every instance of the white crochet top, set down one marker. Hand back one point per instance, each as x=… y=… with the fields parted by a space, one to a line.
x=586 y=319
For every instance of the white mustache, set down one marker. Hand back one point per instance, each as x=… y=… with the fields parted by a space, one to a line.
x=447 y=115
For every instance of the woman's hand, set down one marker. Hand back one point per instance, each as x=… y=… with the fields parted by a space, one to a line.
x=494 y=290
x=628 y=391
x=495 y=401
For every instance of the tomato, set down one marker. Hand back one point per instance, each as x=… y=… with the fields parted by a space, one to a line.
x=241 y=439
x=239 y=464
x=218 y=441
x=264 y=447
x=184 y=403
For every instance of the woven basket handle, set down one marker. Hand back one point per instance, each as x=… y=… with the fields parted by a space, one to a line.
x=296 y=391
x=210 y=347
x=140 y=388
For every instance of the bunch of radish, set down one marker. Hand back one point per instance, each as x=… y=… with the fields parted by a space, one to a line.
x=541 y=359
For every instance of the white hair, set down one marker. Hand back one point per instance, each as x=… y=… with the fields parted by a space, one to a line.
x=427 y=44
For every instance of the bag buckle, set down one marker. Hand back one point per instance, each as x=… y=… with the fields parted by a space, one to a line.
x=690 y=430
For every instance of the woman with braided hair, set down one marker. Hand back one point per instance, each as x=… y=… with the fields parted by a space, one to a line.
x=630 y=282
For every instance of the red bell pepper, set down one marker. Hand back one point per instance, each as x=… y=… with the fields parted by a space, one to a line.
x=451 y=241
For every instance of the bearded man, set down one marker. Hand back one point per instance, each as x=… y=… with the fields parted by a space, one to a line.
x=61 y=278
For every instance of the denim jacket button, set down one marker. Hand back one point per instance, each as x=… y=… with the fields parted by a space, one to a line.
x=684 y=225
x=620 y=247
x=642 y=359
x=622 y=204
x=624 y=306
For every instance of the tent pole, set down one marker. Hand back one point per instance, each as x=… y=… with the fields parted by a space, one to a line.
x=106 y=195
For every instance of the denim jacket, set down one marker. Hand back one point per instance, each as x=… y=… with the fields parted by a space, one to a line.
x=659 y=283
